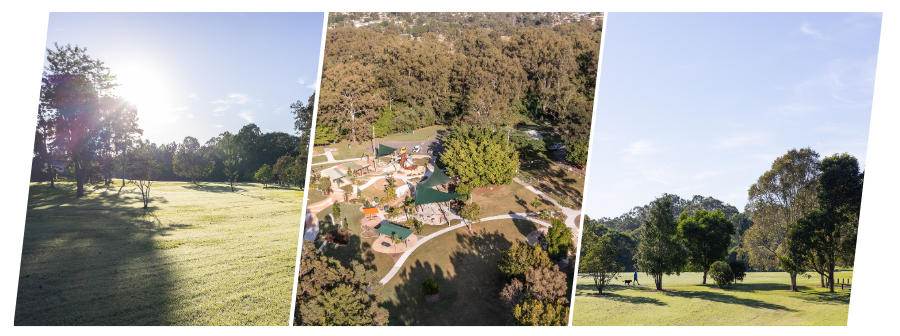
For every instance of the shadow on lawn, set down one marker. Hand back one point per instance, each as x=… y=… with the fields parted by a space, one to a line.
x=470 y=289
x=525 y=226
x=92 y=260
x=726 y=298
x=212 y=188
x=555 y=180
x=612 y=292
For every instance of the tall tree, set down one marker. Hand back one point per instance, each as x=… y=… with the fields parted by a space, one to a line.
x=661 y=251
x=599 y=261
x=827 y=235
x=191 y=161
x=707 y=235
x=781 y=196
x=479 y=156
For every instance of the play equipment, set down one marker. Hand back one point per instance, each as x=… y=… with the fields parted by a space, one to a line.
x=406 y=162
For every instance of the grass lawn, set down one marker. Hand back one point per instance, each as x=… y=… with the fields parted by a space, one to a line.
x=762 y=299
x=319 y=159
x=421 y=134
x=359 y=249
x=465 y=266
x=315 y=196
x=354 y=152
x=200 y=255
x=371 y=192
x=505 y=199
x=555 y=182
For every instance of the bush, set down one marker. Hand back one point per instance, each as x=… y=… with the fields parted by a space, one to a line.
x=739 y=270
x=430 y=286
x=338 y=238
x=721 y=273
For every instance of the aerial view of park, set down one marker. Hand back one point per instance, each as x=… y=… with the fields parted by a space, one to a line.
x=448 y=169
x=169 y=158
x=767 y=127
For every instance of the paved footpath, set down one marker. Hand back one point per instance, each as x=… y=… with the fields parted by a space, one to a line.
x=571 y=214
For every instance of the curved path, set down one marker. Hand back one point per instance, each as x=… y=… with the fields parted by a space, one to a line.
x=399 y=264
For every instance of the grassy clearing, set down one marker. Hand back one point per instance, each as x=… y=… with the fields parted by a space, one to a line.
x=555 y=182
x=465 y=266
x=319 y=159
x=505 y=199
x=200 y=255
x=762 y=299
x=354 y=151
x=421 y=134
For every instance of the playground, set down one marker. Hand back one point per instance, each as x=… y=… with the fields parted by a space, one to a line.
x=462 y=257
x=762 y=299
x=199 y=255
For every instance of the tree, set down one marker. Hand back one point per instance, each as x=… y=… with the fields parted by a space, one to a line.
x=76 y=101
x=599 y=261
x=471 y=213
x=516 y=260
x=577 y=152
x=336 y=210
x=707 y=235
x=559 y=240
x=479 y=156
x=721 y=273
x=303 y=120
x=329 y=294
x=781 y=196
x=282 y=169
x=536 y=203
x=190 y=161
x=228 y=151
x=144 y=171
x=430 y=286
x=546 y=284
x=661 y=251
x=827 y=235
x=541 y=313
x=264 y=175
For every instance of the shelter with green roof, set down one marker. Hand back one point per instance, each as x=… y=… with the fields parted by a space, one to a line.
x=428 y=195
x=390 y=229
x=385 y=150
x=436 y=178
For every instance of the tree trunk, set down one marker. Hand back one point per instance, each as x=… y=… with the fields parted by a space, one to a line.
x=657 y=278
x=704 y=275
x=793 y=281
x=79 y=179
x=831 y=278
x=822 y=279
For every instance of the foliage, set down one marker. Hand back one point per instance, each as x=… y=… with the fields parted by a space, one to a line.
x=738 y=269
x=661 y=251
x=707 y=236
x=264 y=174
x=512 y=293
x=471 y=213
x=721 y=274
x=479 y=156
x=191 y=160
x=541 y=313
x=780 y=197
x=516 y=260
x=329 y=294
x=546 y=284
x=536 y=203
x=599 y=260
x=144 y=171
x=577 y=152
x=338 y=237
x=465 y=190
x=430 y=286
x=559 y=240
x=632 y=220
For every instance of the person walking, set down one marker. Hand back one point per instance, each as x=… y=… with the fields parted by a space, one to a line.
x=635 y=279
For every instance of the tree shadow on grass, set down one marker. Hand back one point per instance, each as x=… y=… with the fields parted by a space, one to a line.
x=525 y=226
x=729 y=299
x=614 y=293
x=212 y=188
x=839 y=297
x=93 y=260
x=469 y=288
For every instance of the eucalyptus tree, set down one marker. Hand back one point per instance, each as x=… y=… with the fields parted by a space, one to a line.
x=661 y=250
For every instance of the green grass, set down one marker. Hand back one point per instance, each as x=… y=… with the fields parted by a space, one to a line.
x=762 y=299
x=555 y=182
x=319 y=159
x=200 y=255
x=371 y=192
x=354 y=152
x=505 y=199
x=315 y=196
x=421 y=134
x=465 y=266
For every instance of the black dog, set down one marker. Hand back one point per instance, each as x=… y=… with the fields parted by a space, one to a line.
x=628 y=282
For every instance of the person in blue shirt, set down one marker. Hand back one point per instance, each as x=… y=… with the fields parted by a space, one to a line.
x=635 y=278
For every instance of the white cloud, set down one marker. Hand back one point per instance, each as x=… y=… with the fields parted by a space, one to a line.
x=640 y=148
x=219 y=126
x=234 y=98
x=247 y=115
x=313 y=86
x=192 y=95
x=301 y=81
x=220 y=111
x=812 y=32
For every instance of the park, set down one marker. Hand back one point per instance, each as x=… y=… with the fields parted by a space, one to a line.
x=120 y=230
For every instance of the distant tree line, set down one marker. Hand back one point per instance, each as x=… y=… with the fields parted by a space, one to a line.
x=91 y=134
x=802 y=216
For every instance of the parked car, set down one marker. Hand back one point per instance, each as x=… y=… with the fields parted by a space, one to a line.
x=402 y=150
x=416 y=149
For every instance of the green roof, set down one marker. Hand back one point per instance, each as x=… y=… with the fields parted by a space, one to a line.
x=390 y=229
x=385 y=150
x=334 y=173
x=437 y=177
x=428 y=195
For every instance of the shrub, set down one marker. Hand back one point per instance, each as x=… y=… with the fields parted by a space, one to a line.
x=721 y=273
x=739 y=270
x=338 y=238
x=541 y=313
x=430 y=286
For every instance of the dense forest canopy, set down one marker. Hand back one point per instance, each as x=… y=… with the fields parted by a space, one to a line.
x=502 y=71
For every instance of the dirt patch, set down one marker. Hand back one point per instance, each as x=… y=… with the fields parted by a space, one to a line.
x=432 y=298
x=395 y=256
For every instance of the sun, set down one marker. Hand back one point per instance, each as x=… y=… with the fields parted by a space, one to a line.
x=148 y=89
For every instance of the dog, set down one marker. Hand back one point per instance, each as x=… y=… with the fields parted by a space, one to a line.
x=628 y=282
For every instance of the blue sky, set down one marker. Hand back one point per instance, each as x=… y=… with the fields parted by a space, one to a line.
x=703 y=103
x=201 y=74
